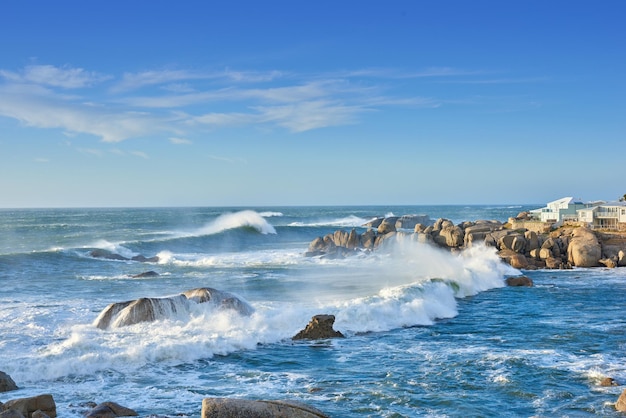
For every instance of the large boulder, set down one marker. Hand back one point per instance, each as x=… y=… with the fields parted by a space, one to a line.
x=320 y=327
x=27 y=406
x=410 y=221
x=244 y=408
x=584 y=250
x=388 y=225
x=151 y=309
x=453 y=235
x=6 y=383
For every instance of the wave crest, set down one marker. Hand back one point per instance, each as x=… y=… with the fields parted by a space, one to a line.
x=242 y=219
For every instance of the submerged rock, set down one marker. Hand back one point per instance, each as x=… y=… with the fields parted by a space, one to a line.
x=320 y=326
x=519 y=281
x=233 y=408
x=109 y=255
x=110 y=410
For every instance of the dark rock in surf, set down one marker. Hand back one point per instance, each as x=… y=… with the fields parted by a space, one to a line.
x=6 y=383
x=110 y=410
x=143 y=259
x=519 y=281
x=320 y=327
x=150 y=309
x=150 y=273
x=109 y=255
x=225 y=407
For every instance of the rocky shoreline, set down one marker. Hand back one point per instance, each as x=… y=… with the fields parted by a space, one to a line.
x=518 y=245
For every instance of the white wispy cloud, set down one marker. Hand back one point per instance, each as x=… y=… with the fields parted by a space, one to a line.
x=140 y=154
x=49 y=75
x=40 y=108
x=304 y=116
x=133 y=81
x=228 y=160
x=176 y=103
x=180 y=141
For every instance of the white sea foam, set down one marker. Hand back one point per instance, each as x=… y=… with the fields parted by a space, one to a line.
x=116 y=248
x=415 y=285
x=233 y=259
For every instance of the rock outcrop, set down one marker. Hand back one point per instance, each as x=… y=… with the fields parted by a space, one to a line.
x=28 y=407
x=150 y=309
x=6 y=383
x=233 y=408
x=320 y=327
x=525 y=249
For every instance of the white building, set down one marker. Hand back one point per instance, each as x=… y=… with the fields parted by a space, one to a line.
x=604 y=216
x=559 y=210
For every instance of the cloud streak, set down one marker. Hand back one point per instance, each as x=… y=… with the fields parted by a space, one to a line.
x=178 y=104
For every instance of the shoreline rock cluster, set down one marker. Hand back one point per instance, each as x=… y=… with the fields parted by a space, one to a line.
x=562 y=248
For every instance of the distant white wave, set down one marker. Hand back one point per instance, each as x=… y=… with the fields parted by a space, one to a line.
x=347 y=222
x=270 y=214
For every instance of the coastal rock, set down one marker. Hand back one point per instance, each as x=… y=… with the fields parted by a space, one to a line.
x=411 y=221
x=608 y=262
x=368 y=238
x=532 y=240
x=320 y=327
x=110 y=410
x=10 y=413
x=621 y=258
x=517 y=261
x=235 y=408
x=374 y=223
x=353 y=240
x=620 y=405
x=6 y=383
x=27 y=406
x=387 y=225
x=150 y=309
x=453 y=236
x=584 y=250
x=608 y=381
x=519 y=281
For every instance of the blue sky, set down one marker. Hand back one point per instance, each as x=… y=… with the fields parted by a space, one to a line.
x=247 y=103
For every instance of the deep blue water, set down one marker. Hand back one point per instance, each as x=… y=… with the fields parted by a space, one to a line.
x=428 y=333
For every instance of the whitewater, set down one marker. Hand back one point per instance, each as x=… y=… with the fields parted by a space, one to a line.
x=428 y=332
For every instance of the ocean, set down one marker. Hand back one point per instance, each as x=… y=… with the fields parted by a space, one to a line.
x=428 y=333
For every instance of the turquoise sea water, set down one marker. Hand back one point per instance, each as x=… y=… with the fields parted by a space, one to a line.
x=428 y=333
